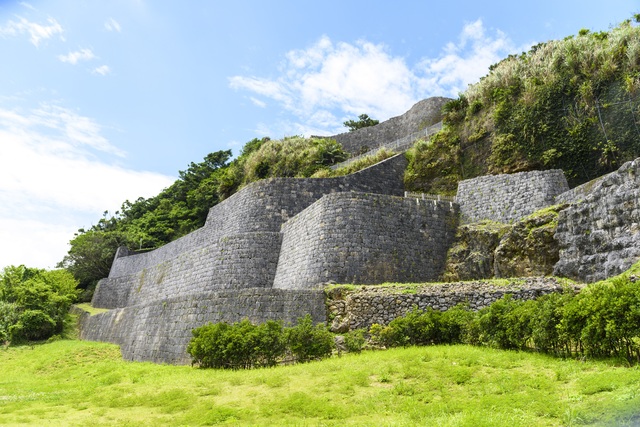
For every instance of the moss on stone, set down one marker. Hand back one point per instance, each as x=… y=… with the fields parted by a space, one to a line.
x=529 y=248
x=471 y=256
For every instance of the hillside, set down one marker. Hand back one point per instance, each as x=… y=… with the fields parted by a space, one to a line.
x=567 y=104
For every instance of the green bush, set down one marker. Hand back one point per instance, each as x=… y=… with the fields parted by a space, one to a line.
x=354 y=341
x=32 y=325
x=243 y=345
x=424 y=327
x=308 y=342
x=34 y=303
x=238 y=345
x=8 y=316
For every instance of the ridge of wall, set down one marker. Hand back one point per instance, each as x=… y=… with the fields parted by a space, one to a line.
x=508 y=198
x=361 y=308
x=365 y=238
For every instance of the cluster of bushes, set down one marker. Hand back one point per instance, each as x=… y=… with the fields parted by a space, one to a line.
x=245 y=345
x=601 y=321
x=34 y=303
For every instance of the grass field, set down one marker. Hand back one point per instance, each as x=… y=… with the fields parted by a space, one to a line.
x=70 y=382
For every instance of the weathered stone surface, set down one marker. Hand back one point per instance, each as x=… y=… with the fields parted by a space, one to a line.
x=599 y=236
x=472 y=255
x=363 y=307
x=529 y=248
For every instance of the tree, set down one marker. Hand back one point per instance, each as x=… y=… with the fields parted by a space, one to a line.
x=34 y=302
x=91 y=255
x=362 y=122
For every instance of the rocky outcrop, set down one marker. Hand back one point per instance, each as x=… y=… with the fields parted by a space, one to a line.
x=488 y=249
x=529 y=248
x=472 y=255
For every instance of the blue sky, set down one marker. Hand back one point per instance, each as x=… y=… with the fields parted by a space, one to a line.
x=103 y=101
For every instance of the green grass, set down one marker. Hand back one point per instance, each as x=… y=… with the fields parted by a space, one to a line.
x=71 y=383
x=90 y=309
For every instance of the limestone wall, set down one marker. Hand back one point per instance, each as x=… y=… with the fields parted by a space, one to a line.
x=599 y=237
x=363 y=307
x=508 y=198
x=238 y=261
x=160 y=330
x=203 y=260
x=425 y=113
x=365 y=238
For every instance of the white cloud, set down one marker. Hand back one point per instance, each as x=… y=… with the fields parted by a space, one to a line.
x=103 y=70
x=37 y=32
x=257 y=102
x=464 y=62
x=326 y=77
x=330 y=82
x=112 y=25
x=27 y=5
x=52 y=183
x=79 y=55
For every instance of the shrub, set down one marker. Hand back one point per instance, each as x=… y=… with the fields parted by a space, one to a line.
x=424 y=327
x=238 y=345
x=243 y=345
x=354 y=341
x=308 y=342
x=32 y=325
x=8 y=316
x=34 y=303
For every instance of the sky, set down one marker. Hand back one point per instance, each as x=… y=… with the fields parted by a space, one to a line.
x=105 y=101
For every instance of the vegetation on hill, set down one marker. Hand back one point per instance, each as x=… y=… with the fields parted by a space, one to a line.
x=183 y=206
x=571 y=104
x=363 y=121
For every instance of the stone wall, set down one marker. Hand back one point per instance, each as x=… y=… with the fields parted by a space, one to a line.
x=238 y=261
x=599 y=237
x=366 y=238
x=362 y=308
x=508 y=198
x=261 y=207
x=425 y=113
x=160 y=330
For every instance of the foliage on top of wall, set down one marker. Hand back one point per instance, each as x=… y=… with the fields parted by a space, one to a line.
x=569 y=104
